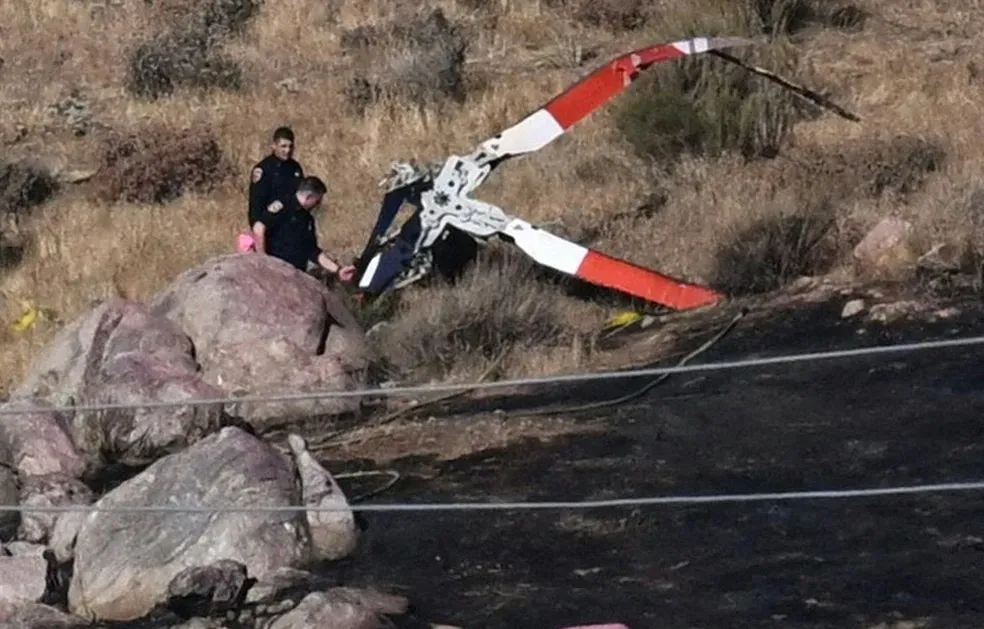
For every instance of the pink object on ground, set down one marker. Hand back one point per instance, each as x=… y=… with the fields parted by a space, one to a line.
x=610 y=626
x=245 y=243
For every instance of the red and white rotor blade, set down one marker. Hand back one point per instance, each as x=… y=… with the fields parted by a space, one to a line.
x=603 y=270
x=590 y=93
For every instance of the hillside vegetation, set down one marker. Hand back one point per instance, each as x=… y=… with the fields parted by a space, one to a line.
x=701 y=170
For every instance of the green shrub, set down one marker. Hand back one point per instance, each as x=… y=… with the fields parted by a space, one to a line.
x=705 y=106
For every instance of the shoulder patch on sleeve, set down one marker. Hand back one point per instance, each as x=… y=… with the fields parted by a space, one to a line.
x=257 y=174
x=275 y=207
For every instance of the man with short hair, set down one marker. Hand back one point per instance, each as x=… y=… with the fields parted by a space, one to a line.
x=274 y=177
x=286 y=230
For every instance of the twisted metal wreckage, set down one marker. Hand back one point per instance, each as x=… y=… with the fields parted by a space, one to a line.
x=447 y=217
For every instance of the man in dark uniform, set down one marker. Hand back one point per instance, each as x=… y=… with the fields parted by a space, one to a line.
x=275 y=177
x=286 y=230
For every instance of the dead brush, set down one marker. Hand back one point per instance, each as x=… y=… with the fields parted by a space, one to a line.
x=188 y=54
x=496 y=307
x=420 y=62
x=25 y=184
x=766 y=254
x=898 y=166
x=220 y=17
x=615 y=15
x=157 y=164
x=180 y=59
x=808 y=238
x=787 y=17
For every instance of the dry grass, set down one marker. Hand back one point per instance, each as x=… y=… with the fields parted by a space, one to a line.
x=502 y=314
x=449 y=439
x=688 y=203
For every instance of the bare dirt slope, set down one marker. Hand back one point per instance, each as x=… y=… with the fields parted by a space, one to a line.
x=700 y=172
x=903 y=561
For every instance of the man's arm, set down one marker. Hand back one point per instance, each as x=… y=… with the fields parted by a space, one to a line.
x=266 y=219
x=322 y=259
x=259 y=192
x=327 y=263
x=344 y=273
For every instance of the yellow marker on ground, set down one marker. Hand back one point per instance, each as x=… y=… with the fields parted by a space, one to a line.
x=623 y=319
x=26 y=320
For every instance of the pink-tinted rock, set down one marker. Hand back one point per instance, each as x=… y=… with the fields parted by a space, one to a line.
x=125 y=561
x=38 y=441
x=261 y=327
x=120 y=353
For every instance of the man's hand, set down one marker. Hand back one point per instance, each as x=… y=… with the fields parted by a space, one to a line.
x=346 y=273
x=259 y=237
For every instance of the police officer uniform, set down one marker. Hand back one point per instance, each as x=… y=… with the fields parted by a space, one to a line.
x=272 y=179
x=290 y=232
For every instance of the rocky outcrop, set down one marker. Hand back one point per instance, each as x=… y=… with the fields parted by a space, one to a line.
x=120 y=353
x=261 y=327
x=119 y=575
x=238 y=325
x=37 y=440
x=211 y=590
x=48 y=491
x=47 y=465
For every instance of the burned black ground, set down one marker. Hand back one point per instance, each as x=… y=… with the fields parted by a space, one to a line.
x=886 y=420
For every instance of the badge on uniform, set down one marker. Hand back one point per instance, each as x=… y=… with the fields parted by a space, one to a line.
x=257 y=174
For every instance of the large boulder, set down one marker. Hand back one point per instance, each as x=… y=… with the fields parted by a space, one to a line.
x=125 y=561
x=48 y=467
x=261 y=327
x=121 y=354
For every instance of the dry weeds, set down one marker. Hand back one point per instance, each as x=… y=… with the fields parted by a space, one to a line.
x=501 y=314
x=908 y=69
x=449 y=439
x=159 y=164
